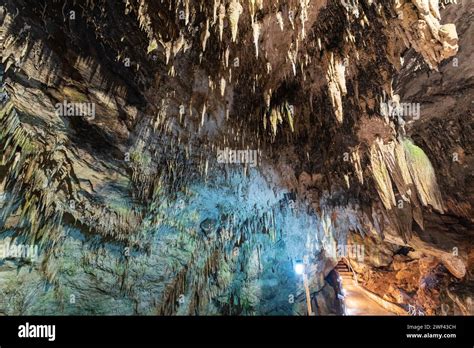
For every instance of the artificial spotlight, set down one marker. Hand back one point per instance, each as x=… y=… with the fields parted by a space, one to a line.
x=299 y=267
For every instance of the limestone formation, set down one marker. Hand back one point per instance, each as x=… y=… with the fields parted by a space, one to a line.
x=179 y=157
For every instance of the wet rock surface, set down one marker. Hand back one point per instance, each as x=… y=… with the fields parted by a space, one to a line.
x=358 y=115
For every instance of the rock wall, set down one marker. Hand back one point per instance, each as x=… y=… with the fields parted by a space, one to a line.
x=138 y=207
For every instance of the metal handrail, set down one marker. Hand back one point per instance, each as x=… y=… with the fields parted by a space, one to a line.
x=354 y=275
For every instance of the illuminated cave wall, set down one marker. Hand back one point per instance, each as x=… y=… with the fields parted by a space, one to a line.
x=131 y=210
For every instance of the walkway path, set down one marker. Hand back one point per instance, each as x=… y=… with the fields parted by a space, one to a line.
x=355 y=299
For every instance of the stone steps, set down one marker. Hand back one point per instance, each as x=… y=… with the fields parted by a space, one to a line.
x=343 y=270
x=356 y=301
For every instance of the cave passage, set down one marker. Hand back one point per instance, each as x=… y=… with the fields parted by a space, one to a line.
x=231 y=157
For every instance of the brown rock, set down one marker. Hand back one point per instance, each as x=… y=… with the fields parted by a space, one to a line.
x=454 y=265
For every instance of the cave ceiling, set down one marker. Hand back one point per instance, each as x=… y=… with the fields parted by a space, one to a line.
x=221 y=140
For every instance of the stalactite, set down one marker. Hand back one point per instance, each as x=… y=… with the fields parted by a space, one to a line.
x=355 y=159
x=234 y=12
x=382 y=178
x=205 y=35
x=172 y=161
x=279 y=18
x=222 y=86
x=423 y=176
x=222 y=14
x=256 y=35
x=303 y=16
x=225 y=58
x=215 y=9
x=336 y=84
x=292 y=53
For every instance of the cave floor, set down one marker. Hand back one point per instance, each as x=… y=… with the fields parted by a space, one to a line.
x=358 y=303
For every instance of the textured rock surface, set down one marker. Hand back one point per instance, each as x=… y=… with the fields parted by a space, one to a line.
x=132 y=209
